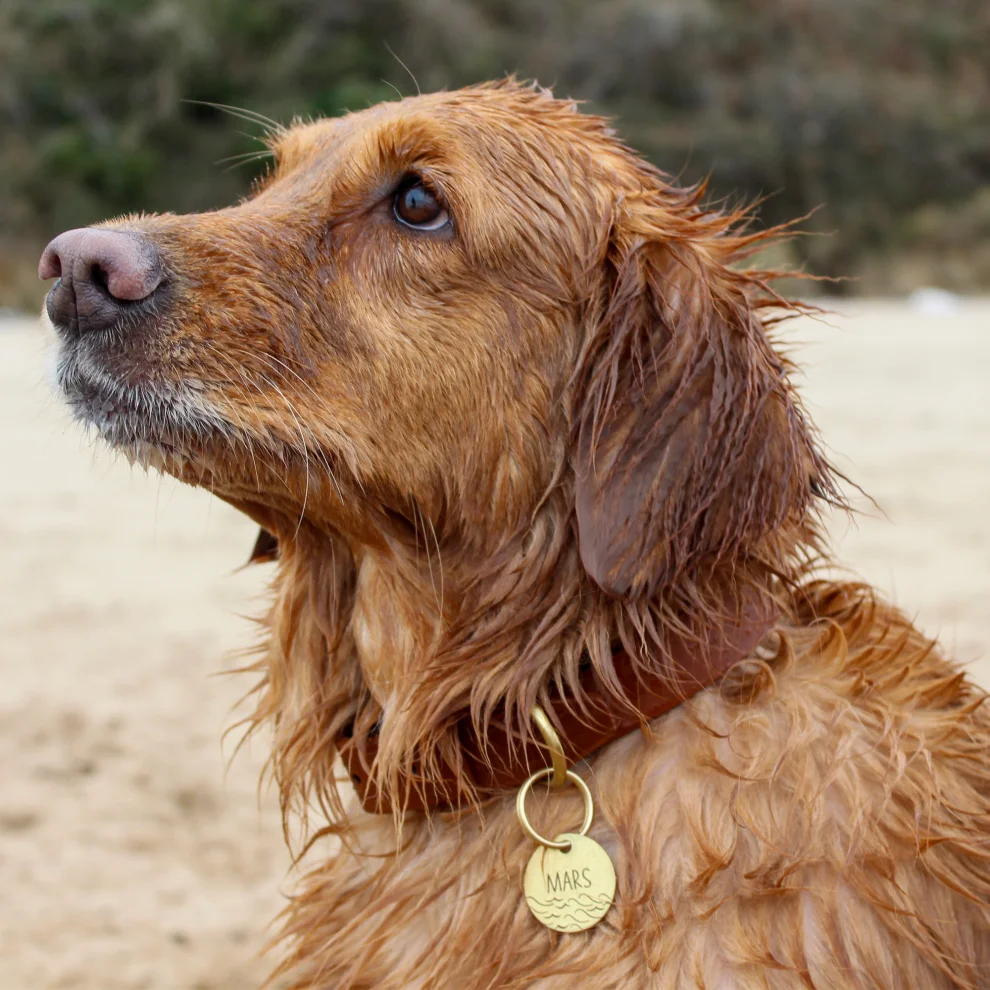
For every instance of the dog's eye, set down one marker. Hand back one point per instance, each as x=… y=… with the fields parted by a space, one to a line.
x=416 y=205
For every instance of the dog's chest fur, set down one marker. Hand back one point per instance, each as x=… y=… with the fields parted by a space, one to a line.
x=831 y=832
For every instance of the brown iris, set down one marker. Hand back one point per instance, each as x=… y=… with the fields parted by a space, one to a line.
x=416 y=205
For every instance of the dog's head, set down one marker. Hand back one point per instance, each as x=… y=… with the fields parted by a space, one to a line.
x=431 y=314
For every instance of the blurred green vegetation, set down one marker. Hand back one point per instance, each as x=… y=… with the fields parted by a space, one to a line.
x=875 y=114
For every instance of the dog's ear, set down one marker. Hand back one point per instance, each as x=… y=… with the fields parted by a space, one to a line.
x=690 y=445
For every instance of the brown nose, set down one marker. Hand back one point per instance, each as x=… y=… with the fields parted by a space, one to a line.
x=101 y=275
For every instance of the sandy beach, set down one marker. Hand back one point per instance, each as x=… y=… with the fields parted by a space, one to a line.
x=131 y=854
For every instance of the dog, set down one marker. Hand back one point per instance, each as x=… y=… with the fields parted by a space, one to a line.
x=506 y=403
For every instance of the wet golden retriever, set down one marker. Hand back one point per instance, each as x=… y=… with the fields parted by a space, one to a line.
x=508 y=399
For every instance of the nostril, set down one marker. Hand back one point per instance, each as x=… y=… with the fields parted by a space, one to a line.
x=50 y=265
x=100 y=278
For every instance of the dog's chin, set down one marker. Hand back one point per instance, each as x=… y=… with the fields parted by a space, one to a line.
x=156 y=424
x=174 y=427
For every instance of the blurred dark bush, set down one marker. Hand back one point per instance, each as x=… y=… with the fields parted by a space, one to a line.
x=875 y=112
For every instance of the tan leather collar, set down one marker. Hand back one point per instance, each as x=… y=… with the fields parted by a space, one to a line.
x=584 y=727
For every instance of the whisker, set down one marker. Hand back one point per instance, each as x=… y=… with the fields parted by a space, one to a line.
x=419 y=92
x=244 y=159
x=304 y=450
x=251 y=116
x=254 y=137
x=322 y=402
x=239 y=432
x=273 y=447
x=391 y=85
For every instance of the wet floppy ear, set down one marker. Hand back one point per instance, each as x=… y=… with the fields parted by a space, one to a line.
x=689 y=444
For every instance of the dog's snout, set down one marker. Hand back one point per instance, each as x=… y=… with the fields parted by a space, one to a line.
x=100 y=274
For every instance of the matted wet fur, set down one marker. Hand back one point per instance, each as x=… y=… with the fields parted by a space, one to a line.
x=496 y=449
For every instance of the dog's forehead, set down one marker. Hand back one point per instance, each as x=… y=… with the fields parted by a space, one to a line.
x=503 y=126
x=504 y=160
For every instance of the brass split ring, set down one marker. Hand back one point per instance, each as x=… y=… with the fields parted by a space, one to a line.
x=589 y=808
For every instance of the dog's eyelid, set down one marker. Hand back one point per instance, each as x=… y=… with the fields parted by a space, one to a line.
x=413 y=176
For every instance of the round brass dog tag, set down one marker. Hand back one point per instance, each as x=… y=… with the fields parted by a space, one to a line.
x=573 y=890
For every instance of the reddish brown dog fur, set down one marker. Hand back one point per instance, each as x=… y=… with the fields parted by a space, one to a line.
x=488 y=451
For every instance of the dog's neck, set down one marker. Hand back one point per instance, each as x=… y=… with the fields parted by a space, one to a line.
x=404 y=646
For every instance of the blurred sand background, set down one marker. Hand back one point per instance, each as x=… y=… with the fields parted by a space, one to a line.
x=129 y=856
